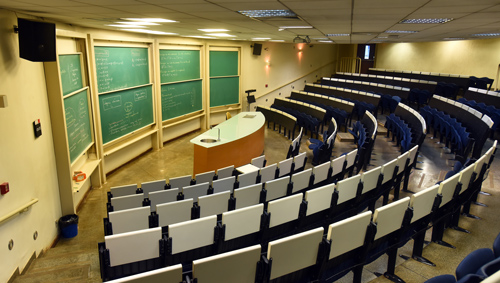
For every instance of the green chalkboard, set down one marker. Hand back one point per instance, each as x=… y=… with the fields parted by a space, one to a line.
x=181 y=98
x=121 y=67
x=224 y=91
x=179 y=65
x=71 y=73
x=223 y=63
x=125 y=111
x=76 y=109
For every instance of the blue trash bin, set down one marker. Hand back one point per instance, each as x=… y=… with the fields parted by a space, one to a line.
x=69 y=225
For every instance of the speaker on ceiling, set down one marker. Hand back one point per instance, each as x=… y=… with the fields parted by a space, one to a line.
x=257 y=48
x=37 y=40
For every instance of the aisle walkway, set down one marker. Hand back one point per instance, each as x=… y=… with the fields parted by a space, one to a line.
x=76 y=260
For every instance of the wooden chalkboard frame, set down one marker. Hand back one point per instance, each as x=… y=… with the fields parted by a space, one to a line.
x=220 y=72
x=66 y=90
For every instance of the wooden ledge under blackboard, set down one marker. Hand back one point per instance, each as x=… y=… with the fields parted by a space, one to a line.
x=225 y=109
x=181 y=120
x=88 y=168
x=123 y=145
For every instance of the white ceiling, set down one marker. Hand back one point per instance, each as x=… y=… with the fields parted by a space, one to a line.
x=365 y=20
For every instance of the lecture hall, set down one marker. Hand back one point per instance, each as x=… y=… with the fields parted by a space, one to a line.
x=249 y=141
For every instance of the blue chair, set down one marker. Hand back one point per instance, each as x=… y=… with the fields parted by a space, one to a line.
x=446 y=278
x=489 y=268
x=473 y=262
x=496 y=246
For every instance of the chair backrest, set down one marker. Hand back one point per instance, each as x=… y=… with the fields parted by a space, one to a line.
x=247 y=179
x=128 y=220
x=389 y=218
x=413 y=154
x=179 y=182
x=473 y=262
x=259 y=161
x=299 y=161
x=133 y=246
x=174 y=212
x=276 y=188
x=294 y=253
x=192 y=234
x=234 y=266
x=284 y=210
x=241 y=222
x=351 y=158
x=348 y=234
x=222 y=185
x=422 y=202
x=495 y=278
x=205 y=177
x=161 y=197
x=214 y=204
x=196 y=191
x=247 y=196
x=337 y=165
x=388 y=170
x=127 y=202
x=123 y=190
x=370 y=179
x=225 y=172
x=319 y=199
x=321 y=172
x=479 y=165
x=268 y=173
x=285 y=166
x=166 y=274
x=153 y=186
x=348 y=188
x=465 y=177
x=447 y=189
x=402 y=162
x=301 y=180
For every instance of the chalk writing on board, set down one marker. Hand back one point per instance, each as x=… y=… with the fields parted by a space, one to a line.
x=179 y=65
x=77 y=123
x=181 y=98
x=70 y=71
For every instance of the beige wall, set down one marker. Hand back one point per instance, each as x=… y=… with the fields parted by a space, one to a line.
x=28 y=164
x=478 y=58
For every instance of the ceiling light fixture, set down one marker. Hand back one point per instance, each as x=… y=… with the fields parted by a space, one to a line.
x=295 y=27
x=454 y=38
x=127 y=26
x=150 y=20
x=400 y=31
x=220 y=35
x=212 y=29
x=325 y=41
x=426 y=21
x=337 y=34
x=199 y=36
x=137 y=22
x=261 y=38
x=149 y=31
x=486 y=34
x=267 y=13
x=277 y=40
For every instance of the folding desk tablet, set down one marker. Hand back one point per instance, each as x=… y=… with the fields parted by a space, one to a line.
x=126 y=202
x=222 y=185
x=174 y=212
x=268 y=173
x=300 y=181
x=128 y=220
x=259 y=162
x=225 y=172
x=167 y=274
x=161 y=197
x=242 y=221
x=276 y=188
x=285 y=167
x=236 y=266
x=321 y=172
x=153 y=186
x=192 y=234
x=319 y=199
x=123 y=190
x=299 y=162
x=247 y=196
x=179 y=182
x=213 y=204
x=205 y=177
x=233 y=142
x=133 y=246
x=196 y=191
x=284 y=210
x=247 y=179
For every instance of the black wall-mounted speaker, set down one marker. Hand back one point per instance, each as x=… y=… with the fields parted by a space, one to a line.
x=37 y=40
x=257 y=48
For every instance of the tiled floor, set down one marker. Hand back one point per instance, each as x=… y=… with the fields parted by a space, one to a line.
x=76 y=259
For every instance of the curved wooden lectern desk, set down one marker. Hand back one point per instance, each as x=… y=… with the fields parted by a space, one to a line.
x=241 y=139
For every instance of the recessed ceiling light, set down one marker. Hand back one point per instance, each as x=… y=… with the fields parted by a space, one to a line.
x=260 y=38
x=295 y=27
x=137 y=22
x=325 y=41
x=319 y=38
x=267 y=13
x=426 y=21
x=277 y=40
x=126 y=26
x=149 y=31
x=337 y=34
x=382 y=37
x=486 y=34
x=453 y=38
x=221 y=35
x=212 y=29
x=150 y=20
x=400 y=31
x=200 y=36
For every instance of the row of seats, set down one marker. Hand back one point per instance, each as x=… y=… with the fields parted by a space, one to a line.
x=305 y=121
x=481 y=83
x=368 y=86
x=419 y=97
x=345 y=108
x=456 y=136
x=316 y=254
x=322 y=150
x=490 y=110
x=323 y=205
x=280 y=118
x=460 y=80
x=488 y=97
x=294 y=148
x=400 y=131
x=448 y=90
x=157 y=193
x=390 y=80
